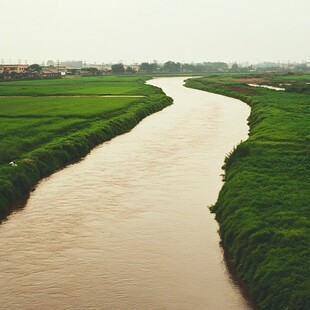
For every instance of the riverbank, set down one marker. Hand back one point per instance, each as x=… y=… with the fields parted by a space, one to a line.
x=263 y=207
x=132 y=211
x=41 y=135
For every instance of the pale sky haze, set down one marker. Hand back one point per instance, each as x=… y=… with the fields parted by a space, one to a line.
x=146 y=30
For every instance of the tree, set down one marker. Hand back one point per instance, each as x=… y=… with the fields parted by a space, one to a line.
x=148 y=67
x=129 y=69
x=234 y=67
x=171 y=66
x=186 y=67
x=118 y=68
x=144 y=67
x=302 y=67
x=34 y=67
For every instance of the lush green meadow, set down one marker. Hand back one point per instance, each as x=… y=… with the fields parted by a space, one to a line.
x=303 y=77
x=264 y=206
x=113 y=85
x=42 y=133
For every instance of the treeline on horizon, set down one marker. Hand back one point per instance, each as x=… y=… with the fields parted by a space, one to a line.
x=170 y=67
x=205 y=67
x=36 y=71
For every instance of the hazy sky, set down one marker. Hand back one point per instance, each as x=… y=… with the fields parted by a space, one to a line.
x=146 y=30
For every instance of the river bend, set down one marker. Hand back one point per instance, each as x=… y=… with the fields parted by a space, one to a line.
x=128 y=227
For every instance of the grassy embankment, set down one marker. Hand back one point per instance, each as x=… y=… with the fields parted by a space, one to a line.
x=42 y=134
x=263 y=207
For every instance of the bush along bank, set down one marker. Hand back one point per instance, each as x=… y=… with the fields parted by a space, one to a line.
x=18 y=179
x=263 y=207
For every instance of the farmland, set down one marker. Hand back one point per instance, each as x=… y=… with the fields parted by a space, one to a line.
x=41 y=132
x=263 y=207
x=109 y=85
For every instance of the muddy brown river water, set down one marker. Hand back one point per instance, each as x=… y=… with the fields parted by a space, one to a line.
x=129 y=227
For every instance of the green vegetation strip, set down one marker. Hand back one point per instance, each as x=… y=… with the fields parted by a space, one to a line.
x=39 y=135
x=113 y=85
x=74 y=96
x=263 y=207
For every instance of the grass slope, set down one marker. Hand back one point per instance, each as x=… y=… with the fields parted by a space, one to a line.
x=43 y=134
x=263 y=207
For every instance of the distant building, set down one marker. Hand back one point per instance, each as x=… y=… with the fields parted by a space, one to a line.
x=101 y=67
x=13 y=68
x=45 y=73
x=73 y=64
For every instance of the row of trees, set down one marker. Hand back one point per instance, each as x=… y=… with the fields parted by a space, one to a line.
x=205 y=67
x=172 y=67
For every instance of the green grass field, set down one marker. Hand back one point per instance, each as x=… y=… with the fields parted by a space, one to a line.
x=36 y=107
x=263 y=207
x=109 y=85
x=303 y=77
x=42 y=133
x=27 y=123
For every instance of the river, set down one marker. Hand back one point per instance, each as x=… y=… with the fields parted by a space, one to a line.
x=128 y=227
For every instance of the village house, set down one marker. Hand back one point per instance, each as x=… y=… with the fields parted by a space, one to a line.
x=45 y=73
x=13 y=68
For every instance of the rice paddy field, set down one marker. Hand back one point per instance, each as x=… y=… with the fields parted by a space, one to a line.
x=264 y=206
x=107 y=85
x=46 y=124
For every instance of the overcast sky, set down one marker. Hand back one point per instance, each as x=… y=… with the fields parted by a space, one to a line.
x=146 y=30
